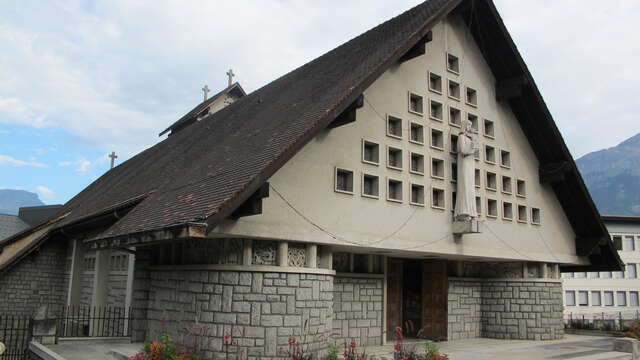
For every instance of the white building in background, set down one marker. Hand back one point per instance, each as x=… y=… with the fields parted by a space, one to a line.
x=612 y=294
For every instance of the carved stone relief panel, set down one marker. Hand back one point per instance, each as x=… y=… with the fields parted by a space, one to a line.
x=297 y=255
x=264 y=252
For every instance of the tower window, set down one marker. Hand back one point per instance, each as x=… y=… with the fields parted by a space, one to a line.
x=435 y=83
x=453 y=64
x=415 y=104
x=344 y=181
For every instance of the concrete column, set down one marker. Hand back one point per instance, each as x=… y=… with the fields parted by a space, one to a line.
x=101 y=278
x=460 y=268
x=525 y=270
x=544 y=271
x=283 y=253
x=556 y=271
x=352 y=262
x=327 y=258
x=312 y=256
x=131 y=263
x=247 y=252
x=75 y=279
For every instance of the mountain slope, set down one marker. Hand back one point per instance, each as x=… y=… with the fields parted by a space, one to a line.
x=613 y=177
x=11 y=200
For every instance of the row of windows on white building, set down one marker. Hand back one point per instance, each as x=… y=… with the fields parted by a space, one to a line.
x=631 y=272
x=601 y=298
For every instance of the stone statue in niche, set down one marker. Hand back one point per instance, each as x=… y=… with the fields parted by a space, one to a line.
x=466 y=195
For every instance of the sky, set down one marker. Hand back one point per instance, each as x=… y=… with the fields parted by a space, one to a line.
x=79 y=79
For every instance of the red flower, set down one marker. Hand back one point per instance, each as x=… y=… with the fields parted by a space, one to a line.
x=397 y=347
x=345 y=354
x=353 y=345
x=227 y=339
x=292 y=341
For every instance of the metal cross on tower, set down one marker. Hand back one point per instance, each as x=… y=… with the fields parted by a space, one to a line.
x=230 y=74
x=205 y=91
x=113 y=157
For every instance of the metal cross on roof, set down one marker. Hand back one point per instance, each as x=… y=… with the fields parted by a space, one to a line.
x=230 y=74
x=205 y=91
x=113 y=157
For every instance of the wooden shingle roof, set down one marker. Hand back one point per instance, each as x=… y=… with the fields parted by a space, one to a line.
x=205 y=171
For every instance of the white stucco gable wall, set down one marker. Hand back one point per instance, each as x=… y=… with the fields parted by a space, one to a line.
x=309 y=210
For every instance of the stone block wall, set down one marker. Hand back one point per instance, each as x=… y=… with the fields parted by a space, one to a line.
x=39 y=279
x=464 y=309
x=357 y=306
x=117 y=285
x=521 y=309
x=260 y=310
x=505 y=309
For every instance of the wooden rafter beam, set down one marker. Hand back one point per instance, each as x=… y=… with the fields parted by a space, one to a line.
x=349 y=114
x=418 y=49
x=253 y=205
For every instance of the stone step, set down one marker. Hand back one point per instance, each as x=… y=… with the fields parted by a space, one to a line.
x=609 y=355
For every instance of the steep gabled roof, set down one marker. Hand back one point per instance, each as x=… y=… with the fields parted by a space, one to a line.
x=192 y=115
x=204 y=172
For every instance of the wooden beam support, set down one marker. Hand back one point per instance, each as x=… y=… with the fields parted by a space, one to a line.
x=349 y=114
x=553 y=172
x=253 y=205
x=510 y=88
x=418 y=49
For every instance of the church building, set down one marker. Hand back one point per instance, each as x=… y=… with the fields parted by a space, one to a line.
x=410 y=178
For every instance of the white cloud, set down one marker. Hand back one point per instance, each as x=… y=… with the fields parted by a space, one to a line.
x=65 y=163
x=8 y=160
x=83 y=166
x=116 y=73
x=45 y=192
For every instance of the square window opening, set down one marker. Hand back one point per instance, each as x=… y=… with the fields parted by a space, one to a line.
x=394 y=190
x=535 y=216
x=489 y=154
x=505 y=159
x=344 y=181
x=472 y=97
x=621 y=298
x=370 y=152
x=417 y=133
x=570 y=298
x=474 y=121
x=417 y=163
x=455 y=116
x=454 y=90
x=491 y=181
x=489 y=129
x=394 y=126
x=435 y=83
x=608 y=298
x=437 y=139
x=437 y=168
x=507 y=210
x=437 y=198
x=521 y=189
x=436 y=111
x=492 y=208
x=453 y=201
x=417 y=194
x=506 y=185
x=394 y=158
x=370 y=186
x=453 y=63
x=454 y=172
x=595 y=298
x=453 y=144
x=522 y=213
x=415 y=104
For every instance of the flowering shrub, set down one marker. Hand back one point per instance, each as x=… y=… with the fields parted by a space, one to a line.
x=296 y=351
x=634 y=330
x=351 y=352
x=403 y=352
x=163 y=349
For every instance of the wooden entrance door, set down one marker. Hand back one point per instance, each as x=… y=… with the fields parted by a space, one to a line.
x=435 y=286
x=394 y=296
